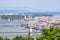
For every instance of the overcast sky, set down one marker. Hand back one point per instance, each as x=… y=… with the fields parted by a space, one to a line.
x=31 y=5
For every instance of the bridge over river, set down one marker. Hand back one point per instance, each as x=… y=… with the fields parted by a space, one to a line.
x=11 y=29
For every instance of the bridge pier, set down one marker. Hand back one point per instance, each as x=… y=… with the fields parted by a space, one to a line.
x=0 y=17
x=9 y=19
x=30 y=31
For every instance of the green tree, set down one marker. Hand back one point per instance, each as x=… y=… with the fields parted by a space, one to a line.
x=19 y=38
x=29 y=38
x=50 y=34
x=23 y=38
x=1 y=38
x=6 y=38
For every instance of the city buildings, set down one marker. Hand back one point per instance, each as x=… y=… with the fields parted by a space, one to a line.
x=42 y=22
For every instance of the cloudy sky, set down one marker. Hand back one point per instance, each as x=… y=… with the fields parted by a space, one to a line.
x=31 y=5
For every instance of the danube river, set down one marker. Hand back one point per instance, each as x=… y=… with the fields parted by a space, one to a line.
x=11 y=29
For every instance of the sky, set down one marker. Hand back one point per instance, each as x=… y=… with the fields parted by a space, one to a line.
x=31 y=5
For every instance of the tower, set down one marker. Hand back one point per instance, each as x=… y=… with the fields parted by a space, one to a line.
x=25 y=18
x=30 y=28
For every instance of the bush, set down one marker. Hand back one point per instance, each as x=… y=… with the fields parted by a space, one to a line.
x=50 y=34
x=29 y=38
x=23 y=38
x=6 y=38
x=19 y=38
x=1 y=38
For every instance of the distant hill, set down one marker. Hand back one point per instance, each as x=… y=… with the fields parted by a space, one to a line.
x=25 y=12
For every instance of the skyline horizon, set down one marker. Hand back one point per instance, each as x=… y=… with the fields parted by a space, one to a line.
x=24 y=10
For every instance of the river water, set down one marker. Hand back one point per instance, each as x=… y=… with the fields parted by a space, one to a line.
x=11 y=29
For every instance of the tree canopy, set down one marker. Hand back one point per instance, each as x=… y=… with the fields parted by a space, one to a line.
x=50 y=34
